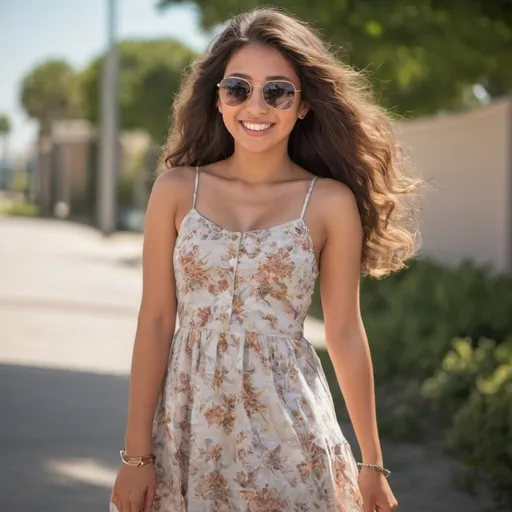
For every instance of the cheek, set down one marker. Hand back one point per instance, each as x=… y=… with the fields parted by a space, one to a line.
x=229 y=115
x=287 y=120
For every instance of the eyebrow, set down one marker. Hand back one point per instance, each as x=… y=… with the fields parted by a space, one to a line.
x=270 y=77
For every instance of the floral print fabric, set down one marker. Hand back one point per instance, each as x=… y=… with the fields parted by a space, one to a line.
x=245 y=421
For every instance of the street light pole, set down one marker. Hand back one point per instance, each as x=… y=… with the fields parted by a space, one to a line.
x=108 y=143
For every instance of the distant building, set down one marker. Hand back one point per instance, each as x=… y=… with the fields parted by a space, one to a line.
x=67 y=167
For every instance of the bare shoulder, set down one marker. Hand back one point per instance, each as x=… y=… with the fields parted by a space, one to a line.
x=176 y=177
x=172 y=185
x=336 y=202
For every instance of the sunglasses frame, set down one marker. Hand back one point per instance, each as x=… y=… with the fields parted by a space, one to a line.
x=252 y=87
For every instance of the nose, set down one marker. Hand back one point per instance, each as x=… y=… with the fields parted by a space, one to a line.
x=256 y=103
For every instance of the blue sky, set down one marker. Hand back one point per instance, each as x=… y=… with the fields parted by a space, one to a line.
x=32 y=31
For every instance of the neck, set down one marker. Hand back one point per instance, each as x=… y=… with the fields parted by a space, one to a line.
x=273 y=165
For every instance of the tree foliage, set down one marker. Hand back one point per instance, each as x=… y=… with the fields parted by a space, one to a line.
x=150 y=73
x=49 y=92
x=422 y=56
x=5 y=124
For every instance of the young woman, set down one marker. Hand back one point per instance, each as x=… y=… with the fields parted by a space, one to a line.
x=280 y=170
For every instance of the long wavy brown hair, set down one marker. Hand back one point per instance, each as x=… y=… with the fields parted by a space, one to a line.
x=345 y=134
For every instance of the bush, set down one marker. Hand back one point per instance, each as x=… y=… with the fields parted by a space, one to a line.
x=474 y=389
x=20 y=181
x=452 y=384
x=411 y=317
x=398 y=404
x=19 y=209
x=442 y=362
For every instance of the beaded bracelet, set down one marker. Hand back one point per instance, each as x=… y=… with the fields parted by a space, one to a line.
x=378 y=468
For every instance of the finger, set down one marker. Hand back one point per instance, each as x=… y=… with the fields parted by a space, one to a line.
x=368 y=506
x=116 y=500
x=388 y=507
x=114 y=504
x=135 y=504
x=148 y=503
x=125 y=505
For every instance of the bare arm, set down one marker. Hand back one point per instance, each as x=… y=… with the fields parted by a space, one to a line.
x=157 y=316
x=346 y=339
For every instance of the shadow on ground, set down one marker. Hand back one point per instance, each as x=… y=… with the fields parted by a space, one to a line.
x=58 y=438
x=60 y=432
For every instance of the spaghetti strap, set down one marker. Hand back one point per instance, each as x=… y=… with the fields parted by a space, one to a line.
x=308 y=195
x=195 y=187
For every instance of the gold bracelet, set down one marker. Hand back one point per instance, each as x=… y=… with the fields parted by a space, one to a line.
x=137 y=461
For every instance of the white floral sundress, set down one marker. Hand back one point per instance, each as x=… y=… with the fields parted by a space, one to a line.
x=245 y=421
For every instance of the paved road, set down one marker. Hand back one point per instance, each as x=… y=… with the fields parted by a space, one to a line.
x=68 y=305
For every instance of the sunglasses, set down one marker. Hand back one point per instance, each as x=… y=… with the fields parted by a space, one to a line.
x=279 y=94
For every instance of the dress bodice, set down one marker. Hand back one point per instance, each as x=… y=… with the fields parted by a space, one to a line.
x=259 y=280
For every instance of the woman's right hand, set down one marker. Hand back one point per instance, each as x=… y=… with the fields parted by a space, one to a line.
x=134 y=488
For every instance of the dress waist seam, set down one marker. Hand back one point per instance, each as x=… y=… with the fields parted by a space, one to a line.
x=241 y=331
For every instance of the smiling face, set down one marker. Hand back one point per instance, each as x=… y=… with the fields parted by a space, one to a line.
x=254 y=124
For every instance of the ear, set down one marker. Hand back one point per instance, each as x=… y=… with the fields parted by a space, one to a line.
x=303 y=110
x=219 y=106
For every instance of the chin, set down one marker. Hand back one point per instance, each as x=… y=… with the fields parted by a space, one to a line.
x=253 y=147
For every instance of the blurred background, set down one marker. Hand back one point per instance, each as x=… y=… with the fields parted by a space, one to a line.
x=85 y=95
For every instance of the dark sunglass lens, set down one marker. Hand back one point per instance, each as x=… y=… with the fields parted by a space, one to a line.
x=234 y=91
x=279 y=94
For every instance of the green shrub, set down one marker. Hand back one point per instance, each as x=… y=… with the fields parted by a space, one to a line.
x=473 y=388
x=411 y=317
x=19 y=209
x=20 y=181
x=453 y=382
x=441 y=361
x=398 y=404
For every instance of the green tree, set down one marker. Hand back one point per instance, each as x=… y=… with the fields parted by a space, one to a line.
x=50 y=92
x=5 y=125
x=150 y=73
x=5 y=129
x=422 y=56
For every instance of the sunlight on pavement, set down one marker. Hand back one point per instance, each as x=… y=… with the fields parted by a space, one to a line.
x=87 y=471
x=81 y=341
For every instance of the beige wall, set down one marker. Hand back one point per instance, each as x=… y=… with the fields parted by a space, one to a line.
x=466 y=159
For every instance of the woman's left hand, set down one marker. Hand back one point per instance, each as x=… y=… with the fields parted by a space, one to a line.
x=376 y=492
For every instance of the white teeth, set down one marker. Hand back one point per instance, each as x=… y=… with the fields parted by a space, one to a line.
x=256 y=127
